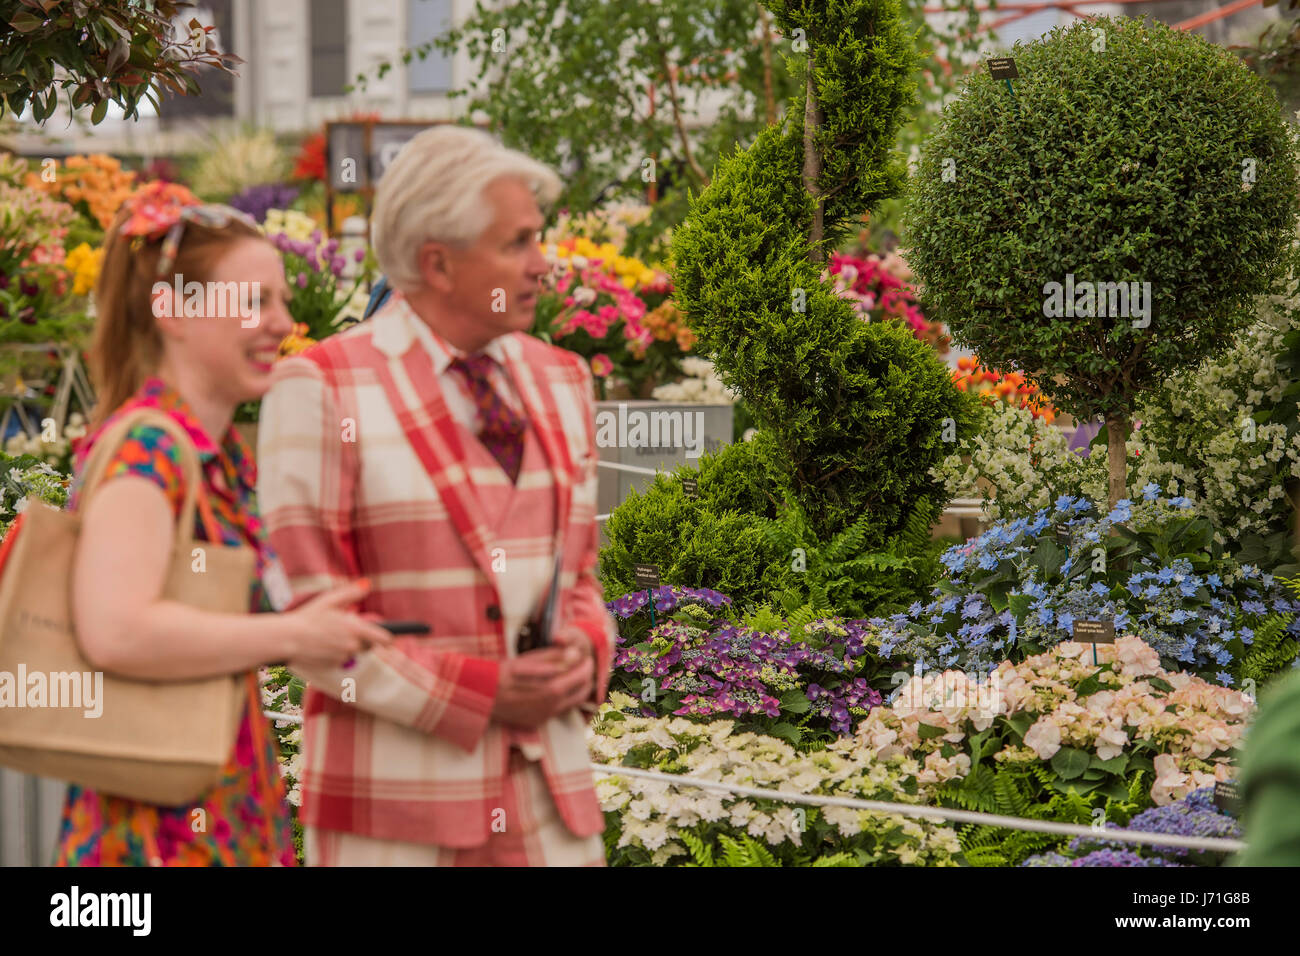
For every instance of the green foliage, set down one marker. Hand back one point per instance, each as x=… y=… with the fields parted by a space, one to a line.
x=845 y=574
x=573 y=91
x=850 y=414
x=117 y=51
x=746 y=851
x=27 y=477
x=1131 y=165
x=735 y=539
x=1034 y=792
x=715 y=541
x=1273 y=650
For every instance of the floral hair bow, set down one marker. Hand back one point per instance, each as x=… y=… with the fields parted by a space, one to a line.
x=155 y=208
x=162 y=209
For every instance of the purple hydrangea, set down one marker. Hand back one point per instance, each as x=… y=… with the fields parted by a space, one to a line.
x=1193 y=816
x=721 y=668
x=1119 y=858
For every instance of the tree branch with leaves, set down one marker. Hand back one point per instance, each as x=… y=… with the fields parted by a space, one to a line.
x=98 y=53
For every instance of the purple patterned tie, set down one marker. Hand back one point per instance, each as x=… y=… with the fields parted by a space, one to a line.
x=502 y=431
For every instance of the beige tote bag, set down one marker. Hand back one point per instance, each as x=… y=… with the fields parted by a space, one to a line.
x=160 y=742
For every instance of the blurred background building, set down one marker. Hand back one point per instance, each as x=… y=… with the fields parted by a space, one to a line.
x=300 y=56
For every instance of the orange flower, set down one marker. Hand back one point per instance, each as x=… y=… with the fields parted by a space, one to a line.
x=97 y=185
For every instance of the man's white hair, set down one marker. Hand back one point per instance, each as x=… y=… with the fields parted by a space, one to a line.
x=433 y=190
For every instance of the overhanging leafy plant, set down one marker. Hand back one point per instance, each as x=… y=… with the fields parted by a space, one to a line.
x=716 y=540
x=120 y=51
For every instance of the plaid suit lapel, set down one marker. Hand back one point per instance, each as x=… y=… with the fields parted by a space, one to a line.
x=540 y=403
x=416 y=399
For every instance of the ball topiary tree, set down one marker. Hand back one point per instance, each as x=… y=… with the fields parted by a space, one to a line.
x=1108 y=221
x=851 y=415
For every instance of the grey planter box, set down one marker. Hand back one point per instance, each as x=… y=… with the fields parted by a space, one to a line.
x=650 y=434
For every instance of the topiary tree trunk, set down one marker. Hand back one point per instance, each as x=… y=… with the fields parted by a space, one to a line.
x=852 y=415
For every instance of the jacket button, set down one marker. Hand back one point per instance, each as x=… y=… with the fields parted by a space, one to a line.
x=493 y=612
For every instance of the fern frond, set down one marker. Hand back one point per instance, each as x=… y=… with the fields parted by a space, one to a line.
x=701 y=852
x=848 y=542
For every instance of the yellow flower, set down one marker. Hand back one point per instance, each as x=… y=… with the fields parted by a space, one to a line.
x=628 y=282
x=84 y=263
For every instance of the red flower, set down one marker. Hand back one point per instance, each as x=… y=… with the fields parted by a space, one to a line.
x=310 y=163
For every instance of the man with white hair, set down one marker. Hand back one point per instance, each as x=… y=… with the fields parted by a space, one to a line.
x=447 y=456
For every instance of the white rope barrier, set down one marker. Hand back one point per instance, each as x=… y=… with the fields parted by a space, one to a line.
x=938 y=813
x=635 y=469
x=905 y=809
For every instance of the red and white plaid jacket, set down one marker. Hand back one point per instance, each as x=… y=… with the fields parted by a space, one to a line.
x=363 y=472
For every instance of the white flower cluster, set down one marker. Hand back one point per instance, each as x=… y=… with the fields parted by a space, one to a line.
x=1017 y=464
x=52 y=452
x=653 y=814
x=1197 y=438
x=290 y=744
x=701 y=385
x=18 y=485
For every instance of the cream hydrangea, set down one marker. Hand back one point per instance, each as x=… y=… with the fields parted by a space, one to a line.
x=701 y=385
x=653 y=814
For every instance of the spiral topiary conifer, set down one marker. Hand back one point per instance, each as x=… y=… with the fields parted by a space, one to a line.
x=852 y=415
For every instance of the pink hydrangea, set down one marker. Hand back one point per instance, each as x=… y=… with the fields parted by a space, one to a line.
x=1044 y=738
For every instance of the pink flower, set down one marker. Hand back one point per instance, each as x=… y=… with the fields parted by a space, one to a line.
x=601 y=365
x=1136 y=657
x=595 y=325
x=1111 y=741
x=1043 y=738
x=1171 y=783
x=633 y=309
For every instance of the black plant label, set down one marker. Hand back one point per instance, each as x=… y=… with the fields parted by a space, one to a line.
x=1003 y=68
x=1227 y=797
x=691 y=487
x=646 y=575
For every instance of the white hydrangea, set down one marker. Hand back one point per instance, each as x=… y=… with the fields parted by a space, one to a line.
x=701 y=385
x=654 y=814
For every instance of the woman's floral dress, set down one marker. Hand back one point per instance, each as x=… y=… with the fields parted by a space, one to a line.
x=245 y=821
